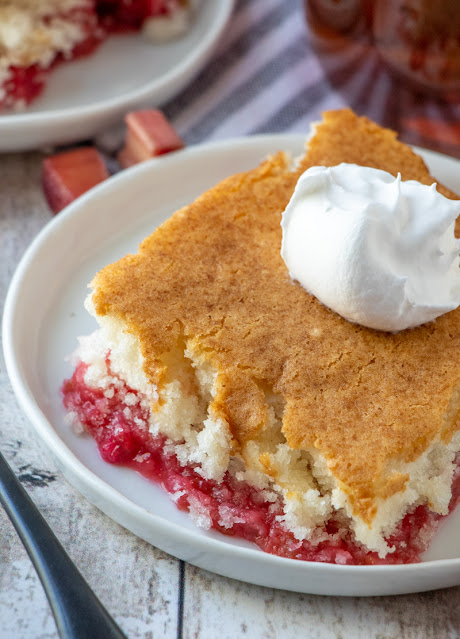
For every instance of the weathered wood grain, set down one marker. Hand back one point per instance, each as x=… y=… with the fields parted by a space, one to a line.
x=224 y=608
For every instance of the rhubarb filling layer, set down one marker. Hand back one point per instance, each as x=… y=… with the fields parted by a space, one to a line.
x=118 y=418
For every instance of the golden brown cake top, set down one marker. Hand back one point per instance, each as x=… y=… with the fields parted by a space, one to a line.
x=213 y=274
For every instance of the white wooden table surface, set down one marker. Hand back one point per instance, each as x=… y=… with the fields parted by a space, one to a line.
x=149 y=593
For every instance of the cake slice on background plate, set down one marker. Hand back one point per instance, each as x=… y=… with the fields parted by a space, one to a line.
x=261 y=412
x=36 y=35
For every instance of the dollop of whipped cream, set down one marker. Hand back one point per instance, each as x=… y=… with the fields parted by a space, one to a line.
x=379 y=251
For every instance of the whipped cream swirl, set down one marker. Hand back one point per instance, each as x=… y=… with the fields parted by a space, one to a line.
x=379 y=251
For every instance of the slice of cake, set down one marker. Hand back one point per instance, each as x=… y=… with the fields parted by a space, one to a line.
x=35 y=35
x=262 y=412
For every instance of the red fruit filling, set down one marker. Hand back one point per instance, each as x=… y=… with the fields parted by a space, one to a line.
x=125 y=15
x=119 y=424
x=22 y=85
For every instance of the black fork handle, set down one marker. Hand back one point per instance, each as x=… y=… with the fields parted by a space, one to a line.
x=77 y=611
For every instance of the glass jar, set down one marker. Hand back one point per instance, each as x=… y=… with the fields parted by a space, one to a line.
x=415 y=42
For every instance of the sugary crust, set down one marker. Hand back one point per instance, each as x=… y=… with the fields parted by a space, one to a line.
x=212 y=277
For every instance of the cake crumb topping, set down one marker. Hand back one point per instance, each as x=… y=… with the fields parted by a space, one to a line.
x=32 y=31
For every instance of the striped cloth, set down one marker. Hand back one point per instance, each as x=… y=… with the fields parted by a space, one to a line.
x=266 y=77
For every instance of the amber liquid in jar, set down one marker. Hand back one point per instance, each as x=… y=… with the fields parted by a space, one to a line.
x=417 y=39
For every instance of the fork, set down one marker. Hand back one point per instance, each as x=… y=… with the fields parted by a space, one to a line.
x=77 y=611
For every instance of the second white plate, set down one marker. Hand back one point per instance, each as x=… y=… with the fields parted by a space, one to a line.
x=86 y=96
x=44 y=314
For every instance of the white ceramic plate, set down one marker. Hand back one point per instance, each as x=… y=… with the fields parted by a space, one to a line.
x=86 y=96
x=44 y=315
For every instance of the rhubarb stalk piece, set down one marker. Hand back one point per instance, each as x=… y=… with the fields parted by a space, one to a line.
x=148 y=135
x=68 y=175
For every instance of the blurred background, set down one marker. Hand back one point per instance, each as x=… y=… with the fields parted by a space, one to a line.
x=280 y=64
